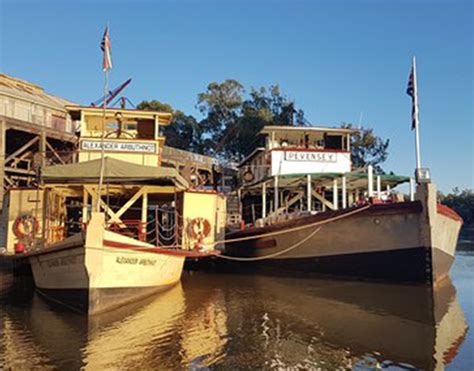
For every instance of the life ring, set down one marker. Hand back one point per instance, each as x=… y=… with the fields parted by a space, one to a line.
x=25 y=226
x=199 y=228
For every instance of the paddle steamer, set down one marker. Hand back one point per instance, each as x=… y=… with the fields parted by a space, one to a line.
x=304 y=208
x=95 y=247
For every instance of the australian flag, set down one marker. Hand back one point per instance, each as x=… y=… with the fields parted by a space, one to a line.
x=411 y=91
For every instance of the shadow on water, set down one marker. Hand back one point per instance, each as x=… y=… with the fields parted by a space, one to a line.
x=230 y=321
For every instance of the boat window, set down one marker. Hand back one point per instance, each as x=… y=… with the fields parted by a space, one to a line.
x=333 y=141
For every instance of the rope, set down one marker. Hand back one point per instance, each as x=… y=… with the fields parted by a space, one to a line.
x=294 y=229
x=278 y=253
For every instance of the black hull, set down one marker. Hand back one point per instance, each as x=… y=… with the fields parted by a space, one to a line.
x=389 y=242
x=410 y=265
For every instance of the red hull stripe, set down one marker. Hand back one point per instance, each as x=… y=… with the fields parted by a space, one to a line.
x=448 y=212
x=158 y=250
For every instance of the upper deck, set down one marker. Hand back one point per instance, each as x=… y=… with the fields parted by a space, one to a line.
x=129 y=135
x=296 y=150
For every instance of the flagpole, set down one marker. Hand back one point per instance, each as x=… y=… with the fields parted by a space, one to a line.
x=416 y=118
x=102 y=137
x=106 y=67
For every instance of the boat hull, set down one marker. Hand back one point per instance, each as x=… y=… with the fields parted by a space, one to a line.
x=396 y=242
x=96 y=275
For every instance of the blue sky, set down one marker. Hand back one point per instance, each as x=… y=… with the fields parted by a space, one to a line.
x=336 y=59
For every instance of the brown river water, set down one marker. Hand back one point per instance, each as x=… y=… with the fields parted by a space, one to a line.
x=228 y=321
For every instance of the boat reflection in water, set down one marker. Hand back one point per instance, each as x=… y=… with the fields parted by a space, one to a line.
x=243 y=321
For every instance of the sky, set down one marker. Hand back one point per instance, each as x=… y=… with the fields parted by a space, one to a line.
x=340 y=61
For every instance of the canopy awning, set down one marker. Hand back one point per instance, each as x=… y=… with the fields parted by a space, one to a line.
x=115 y=171
x=354 y=180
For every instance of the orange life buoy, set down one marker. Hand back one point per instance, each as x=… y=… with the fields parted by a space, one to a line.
x=199 y=228
x=25 y=226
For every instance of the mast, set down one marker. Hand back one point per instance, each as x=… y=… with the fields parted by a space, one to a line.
x=416 y=118
x=102 y=137
x=107 y=64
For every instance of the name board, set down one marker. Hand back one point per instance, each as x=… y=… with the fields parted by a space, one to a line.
x=116 y=146
x=310 y=156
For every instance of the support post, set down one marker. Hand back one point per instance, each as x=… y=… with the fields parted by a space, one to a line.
x=350 y=199
x=344 y=192
x=144 y=214
x=334 y=194
x=275 y=195
x=43 y=148
x=412 y=189
x=308 y=192
x=379 y=187
x=85 y=202
x=2 y=162
x=370 y=178
x=264 y=200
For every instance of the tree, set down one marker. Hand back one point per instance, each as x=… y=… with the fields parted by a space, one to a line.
x=232 y=122
x=221 y=104
x=367 y=148
x=462 y=202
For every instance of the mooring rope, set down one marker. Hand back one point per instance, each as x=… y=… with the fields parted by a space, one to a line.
x=292 y=247
x=289 y=230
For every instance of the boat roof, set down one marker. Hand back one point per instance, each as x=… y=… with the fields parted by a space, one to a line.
x=354 y=180
x=164 y=117
x=276 y=128
x=115 y=171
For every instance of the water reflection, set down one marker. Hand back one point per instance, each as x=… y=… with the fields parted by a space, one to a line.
x=229 y=321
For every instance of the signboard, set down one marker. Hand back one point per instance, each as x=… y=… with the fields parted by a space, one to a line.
x=119 y=146
x=310 y=156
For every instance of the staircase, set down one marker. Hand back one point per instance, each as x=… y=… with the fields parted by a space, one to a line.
x=234 y=216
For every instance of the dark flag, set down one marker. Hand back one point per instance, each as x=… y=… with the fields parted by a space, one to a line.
x=411 y=91
x=106 y=47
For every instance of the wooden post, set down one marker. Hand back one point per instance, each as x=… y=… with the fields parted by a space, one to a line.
x=157 y=226
x=370 y=178
x=2 y=159
x=275 y=195
x=308 y=192
x=85 y=201
x=144 y=214
x=344 y=192
x=379 y=187
x=350 y=199
x=264 y=200
x=412 y=189
x=42 y=148
x=334 y=194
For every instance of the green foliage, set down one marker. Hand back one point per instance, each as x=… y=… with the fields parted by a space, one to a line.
x=462 y=202
x=367 y=148
x=232 y=119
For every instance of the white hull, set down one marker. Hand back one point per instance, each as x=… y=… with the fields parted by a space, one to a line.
x=103 y=270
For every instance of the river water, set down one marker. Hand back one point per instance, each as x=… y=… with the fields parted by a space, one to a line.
x=228 y=321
